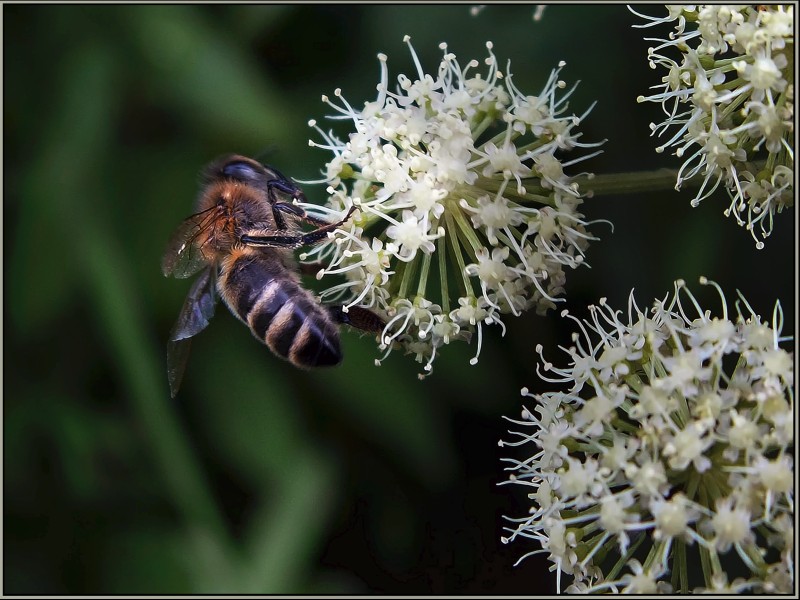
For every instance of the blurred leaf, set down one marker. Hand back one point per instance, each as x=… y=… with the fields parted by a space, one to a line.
x=81 y=439
x=286 y=535
x=22 y=428
x=211 y=565
x=254 y=21
x=391 y=408
x=208 y=77
x=248 y=416
x=88 y=103
x=146 y=560
x=41 y=292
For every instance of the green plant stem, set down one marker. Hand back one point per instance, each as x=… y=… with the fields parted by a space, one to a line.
x=609 y=184
x=612 y=184
x=642 y=181
x=632 y=183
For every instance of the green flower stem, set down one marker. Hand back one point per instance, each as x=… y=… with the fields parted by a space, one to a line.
x=680 y=568
x=612 y=184
x=658 y=180
x=423 y=276
x=467 y=230
x=636 y=182
x=654 y=555
x=716 y=565
x=692 y=485
x=636 y=384
x=630 y=183
x=751 y=554
x=482 y=126
x=623 y=560
x=706 y=564
x=736 y=105
x=624 y=426
x=440 y=250
x=533 y=192
x=408 y=275
x=455 y=249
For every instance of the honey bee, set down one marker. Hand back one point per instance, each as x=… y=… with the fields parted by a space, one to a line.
x=241 y=238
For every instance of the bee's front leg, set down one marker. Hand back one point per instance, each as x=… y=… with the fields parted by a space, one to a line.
x=293 y=241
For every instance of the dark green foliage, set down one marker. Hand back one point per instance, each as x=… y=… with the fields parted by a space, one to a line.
x=261 y=478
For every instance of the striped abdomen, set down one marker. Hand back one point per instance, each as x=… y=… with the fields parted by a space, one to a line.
x=260 y=290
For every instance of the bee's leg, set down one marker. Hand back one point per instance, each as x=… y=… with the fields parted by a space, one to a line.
x=358 y=317
x=298 y=212
x=280 y=222
x=272 y=241
x=294 y=241
x=287 y=187
x=312 y=237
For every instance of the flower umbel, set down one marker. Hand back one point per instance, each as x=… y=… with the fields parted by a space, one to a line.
x=674 y=441
x=729 y=100
x=465 y=212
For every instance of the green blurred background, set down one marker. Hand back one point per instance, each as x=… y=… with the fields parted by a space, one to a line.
x=259 y=477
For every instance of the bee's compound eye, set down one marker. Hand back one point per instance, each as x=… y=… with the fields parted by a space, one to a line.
x=242 y=171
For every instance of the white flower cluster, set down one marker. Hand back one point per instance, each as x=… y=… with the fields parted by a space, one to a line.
x=729 y=101
x=464 y=211
x=674 y=441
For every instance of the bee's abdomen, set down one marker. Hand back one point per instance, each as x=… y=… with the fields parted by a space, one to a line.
x=281 y=313
x=294 y=326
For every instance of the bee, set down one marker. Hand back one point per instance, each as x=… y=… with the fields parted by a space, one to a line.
x=240 y=241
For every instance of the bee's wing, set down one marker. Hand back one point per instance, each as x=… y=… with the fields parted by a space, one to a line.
x=177 y=358
x=184 y=257
x=194 y=317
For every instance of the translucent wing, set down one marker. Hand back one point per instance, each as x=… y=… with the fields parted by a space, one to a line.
x=184 y=256
x=194 y=317
x=177 y=358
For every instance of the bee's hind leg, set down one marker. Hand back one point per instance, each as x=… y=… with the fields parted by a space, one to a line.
x=358 y=317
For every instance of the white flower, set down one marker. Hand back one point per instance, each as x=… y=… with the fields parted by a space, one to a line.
x=464 y=211
x=672 y=516
x=410 y=236
x=641 y=581
x=729 y=102
x=677 y=450
x=731 y=525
